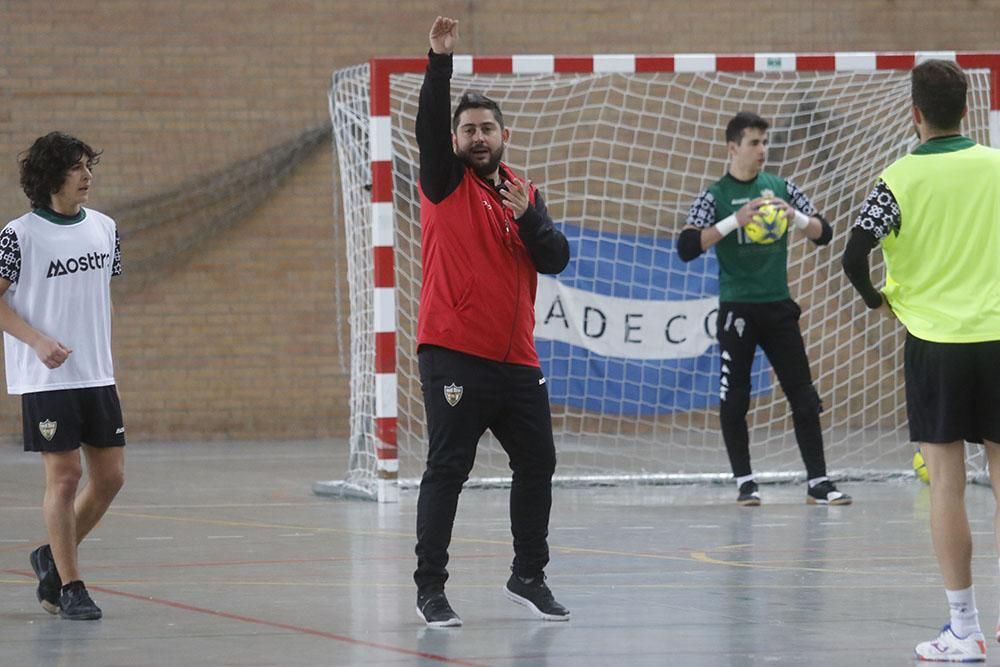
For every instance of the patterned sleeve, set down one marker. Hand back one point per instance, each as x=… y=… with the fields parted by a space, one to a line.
x=879 y=213
x=116 y=264
x=799 y=200
x=10 y=255
x=702 y=213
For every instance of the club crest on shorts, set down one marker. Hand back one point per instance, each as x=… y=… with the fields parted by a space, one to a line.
x=47 y=429
x=453 y=394
x=740 y=325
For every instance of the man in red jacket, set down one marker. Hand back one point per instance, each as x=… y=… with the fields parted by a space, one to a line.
x=486 y=235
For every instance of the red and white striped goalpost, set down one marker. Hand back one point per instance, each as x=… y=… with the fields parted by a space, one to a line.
x=383 y=219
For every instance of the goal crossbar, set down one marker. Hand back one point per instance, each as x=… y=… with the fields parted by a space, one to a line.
x=382 y=216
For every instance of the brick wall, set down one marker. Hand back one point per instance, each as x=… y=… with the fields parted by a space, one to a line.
x=239 y=337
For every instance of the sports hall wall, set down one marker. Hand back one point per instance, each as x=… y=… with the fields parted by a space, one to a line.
x=218 y=166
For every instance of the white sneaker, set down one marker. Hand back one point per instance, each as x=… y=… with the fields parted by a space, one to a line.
x=950 y=648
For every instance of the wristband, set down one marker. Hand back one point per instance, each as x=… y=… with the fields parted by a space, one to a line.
x=727 y=225
x=801 y=220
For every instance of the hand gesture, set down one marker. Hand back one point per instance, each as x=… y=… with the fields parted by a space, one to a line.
x=51 y=352
x=444 y=35
x=515 y=196
x=785 y=206
x=748 y=210
x=885 y=310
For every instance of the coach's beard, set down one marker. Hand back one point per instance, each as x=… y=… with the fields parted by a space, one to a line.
x=483 y=169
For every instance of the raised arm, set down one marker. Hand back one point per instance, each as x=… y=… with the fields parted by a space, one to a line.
x=440 y=170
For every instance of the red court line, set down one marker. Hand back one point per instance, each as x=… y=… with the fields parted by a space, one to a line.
x=271 y=624
x=274 y=561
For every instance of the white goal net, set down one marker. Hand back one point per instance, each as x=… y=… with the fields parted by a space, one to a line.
x=626 y=333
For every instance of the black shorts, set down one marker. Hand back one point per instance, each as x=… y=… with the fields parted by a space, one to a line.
x=62 y=420
x=952 y=390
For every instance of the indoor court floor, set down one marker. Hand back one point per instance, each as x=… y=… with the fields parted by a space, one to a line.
x=219 y=554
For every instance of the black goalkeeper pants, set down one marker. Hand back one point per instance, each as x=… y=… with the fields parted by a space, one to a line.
x=774 y=327
x=463 y=396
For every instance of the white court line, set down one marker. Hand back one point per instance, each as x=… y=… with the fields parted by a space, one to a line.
x=297 y=535
x=16 y=541
x=638 y=527
x=834 y=523
x=225 y=537
x=32 y=508
x=572 y=528
x=700 y=525
x=154 y=538
x=769 y=525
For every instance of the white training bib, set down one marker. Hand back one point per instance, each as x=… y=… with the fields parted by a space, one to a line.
x=64 y=291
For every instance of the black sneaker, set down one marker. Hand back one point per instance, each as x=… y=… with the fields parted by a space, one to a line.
x=75 y=603
x=749 y=495
x=49 y=582
x=536 y=596
x=825 y=493
x=435 y=610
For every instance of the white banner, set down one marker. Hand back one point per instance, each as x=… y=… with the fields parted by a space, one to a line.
x=624 y=328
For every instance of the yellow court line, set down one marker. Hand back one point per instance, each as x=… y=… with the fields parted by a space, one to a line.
x=703 y=557
x=700 y=556
x=254 y=524
x=373 y=533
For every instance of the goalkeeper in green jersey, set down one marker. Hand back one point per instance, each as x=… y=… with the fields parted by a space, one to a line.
x=755 y=308
x=936 y=214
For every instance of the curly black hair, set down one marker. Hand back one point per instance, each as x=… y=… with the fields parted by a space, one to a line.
x=45 y=165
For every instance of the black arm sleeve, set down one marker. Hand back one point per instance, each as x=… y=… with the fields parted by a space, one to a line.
x=440 y=169
x=827 y=235
x=689 y=244
x=855 y=263
x=548 y=246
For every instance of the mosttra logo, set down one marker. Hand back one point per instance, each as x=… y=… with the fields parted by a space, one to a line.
x=92 y=261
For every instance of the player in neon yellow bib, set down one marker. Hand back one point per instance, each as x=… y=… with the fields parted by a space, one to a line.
x=936 y=213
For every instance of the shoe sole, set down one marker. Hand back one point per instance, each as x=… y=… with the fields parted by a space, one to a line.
x=37 y=567
x=525 y=602
x=450 y=623
x=753 y=502
x=89 y=616
x=955 y=659
x=951 y=660
x=840 y=501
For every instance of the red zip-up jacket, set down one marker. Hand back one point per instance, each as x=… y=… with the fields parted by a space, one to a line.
x=480 y=265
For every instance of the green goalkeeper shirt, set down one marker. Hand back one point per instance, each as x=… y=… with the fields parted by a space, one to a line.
x=748 y=272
